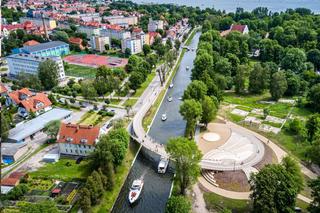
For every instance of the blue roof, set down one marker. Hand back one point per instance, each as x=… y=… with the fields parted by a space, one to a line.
x=43 y=46
x=28 y=128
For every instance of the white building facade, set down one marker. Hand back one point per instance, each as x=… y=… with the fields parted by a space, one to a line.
x=155 y=25
x=134 y=44
x=98 y=43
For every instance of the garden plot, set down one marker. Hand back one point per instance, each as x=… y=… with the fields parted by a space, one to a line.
x=250 y=120
x=257 y=111
x=240 y=112
x=268 y=128
x=287 y=101
x=273 y=119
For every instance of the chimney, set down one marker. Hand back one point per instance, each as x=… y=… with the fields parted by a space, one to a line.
x=44 y=27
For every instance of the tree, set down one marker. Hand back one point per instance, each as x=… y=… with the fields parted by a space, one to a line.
x=48 y=74
x=314 y=57
x=61 y=36
x=95 y=186
x=85 y=200
x=127 y=52
x=314 y=207
x=177 y=44
x=29 y=80
x=313 y=126
x=178 y=204
x=275 y=187
x=240 y=78
x=297 y=127
x=294 y=59
x=206 y=26
x=88 y=90
x=293 y=82
x=209 y=109
x=133 y=63
x=5 y=125
x=203 y=62
x=314 y=97
x=52 y=128
x=258 y=79
x=146 y=49
x=191 y=111
x=314 y=151
x=135 y=80
x=278 y=85
x=195 y=90
x=187 y=156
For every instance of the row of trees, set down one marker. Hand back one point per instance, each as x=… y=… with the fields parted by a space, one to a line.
x=105 y=159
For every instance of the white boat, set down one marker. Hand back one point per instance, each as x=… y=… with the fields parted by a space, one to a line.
x=192 y=49
x=169 y=98
x=164 y=117
x=187 y=68
x=163 y=164
x=171 y=85
x=135 y=190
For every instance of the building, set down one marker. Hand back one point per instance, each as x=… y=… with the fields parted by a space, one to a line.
x=30 y=129
x=3 y=90
x=75 y=139
x=115 y=32
x=243 y=29
x=155 y=25
x=52 y=48
x=89 y=30
x=152 y=37
x=29 y=64
x=134 y=44
x=50 y=23
x=30 y=43
x=98 y=43
x=122 y=20
x=29 y=102
x=11 y=152
x=77 y=42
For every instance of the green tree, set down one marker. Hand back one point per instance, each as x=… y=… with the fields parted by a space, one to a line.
x=127 y=52
x=177 y=44
x=314 y=207
x=5 y=124
x=191 y=111
x=88 y=90
x=294 y=59
x=47 y=206
x=61 y=36
x=278 y=85
x=95 y=186
x=203 y=62
x=85 y=200
x=313 y=126
x=187 y=156
x=314 y=97
x=133 y=63
x=258 y=79
x=146 y=49
x=178 y=204
x=240 y=78
x=195 y=90
x=206 y=26
x=52 y=128
x=314 y=151
x=209 y=109
x=48 y=74
x=314 y=57
x=135 y=80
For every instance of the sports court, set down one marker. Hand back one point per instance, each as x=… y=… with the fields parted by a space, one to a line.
x=91 y=60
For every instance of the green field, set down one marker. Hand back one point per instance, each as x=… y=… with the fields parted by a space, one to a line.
x=64 y=169
x=130 y=102
x=93 y=118
x=80 y=71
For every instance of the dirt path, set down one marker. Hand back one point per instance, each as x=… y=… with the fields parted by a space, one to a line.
x=198 y=204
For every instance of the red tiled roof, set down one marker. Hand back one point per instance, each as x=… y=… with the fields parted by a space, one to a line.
x=10 y=181
x=15 y=95
x=17 y=175
x=113 y=27
x=56 y=191
x=3 y=89
x=153 y=34
x=74 y=40
x=238 y=27
x=137 y=30
x=31 y=103
x=30 y=43
x=10 y=27
x=78 y=134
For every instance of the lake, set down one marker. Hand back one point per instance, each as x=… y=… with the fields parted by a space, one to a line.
x=231 y=5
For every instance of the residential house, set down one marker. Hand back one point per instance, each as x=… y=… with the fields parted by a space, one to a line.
x=243 y=29
x=155 y=25
x=75 y=139
x=30 y=43
x=77 y=42
x=3 y=90
x=49 y=23
x=89 y=30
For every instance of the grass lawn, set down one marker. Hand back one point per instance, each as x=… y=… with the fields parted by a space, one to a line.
x=217 y=203
x=93 y=118
x=110 y=197
x=64 y=169
x=130 y=102
x=145 y=84
x=81 y=71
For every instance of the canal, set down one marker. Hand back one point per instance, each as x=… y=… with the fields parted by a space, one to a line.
x=157 y=186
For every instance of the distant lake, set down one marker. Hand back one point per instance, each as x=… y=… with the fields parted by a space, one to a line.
x=231 y=5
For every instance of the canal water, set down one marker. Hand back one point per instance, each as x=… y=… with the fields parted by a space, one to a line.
x=157 y=187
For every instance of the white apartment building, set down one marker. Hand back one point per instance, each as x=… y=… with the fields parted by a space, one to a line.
x=155 y=25
x=113 y=33
x=122 y=20
x=98 y=43
x=134 y=44
x=29 y=64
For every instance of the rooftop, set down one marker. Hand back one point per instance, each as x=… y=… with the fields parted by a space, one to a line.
x=30 y=57
x=10 y=149
x=44 y=46
x=30 y=127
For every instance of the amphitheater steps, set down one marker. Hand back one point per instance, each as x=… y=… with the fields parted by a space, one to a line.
x=209 y=176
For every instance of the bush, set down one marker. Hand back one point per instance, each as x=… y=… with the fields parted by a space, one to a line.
x=178 y=204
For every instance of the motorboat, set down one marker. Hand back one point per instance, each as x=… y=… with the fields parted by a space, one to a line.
x=187 y=68
x=169 y=98
x=171 y=85
x=180 y=98
x=192 y=49
x=164 y=117
x=135 y=190
x=163 y=164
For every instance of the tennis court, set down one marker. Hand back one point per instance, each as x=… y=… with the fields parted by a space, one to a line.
x=91 y=60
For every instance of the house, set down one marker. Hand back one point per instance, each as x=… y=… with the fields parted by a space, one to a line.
x=3 y=90
x=10 y=182
x=30 y=43
x=152 y=36
x=77 y=42
x=155 y=25
x=77 y=140
x=49 y=23
x=243 y=29
x=17 y=96
x=33 y=128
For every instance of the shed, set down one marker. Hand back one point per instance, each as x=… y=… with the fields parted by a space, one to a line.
x=51 y=158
